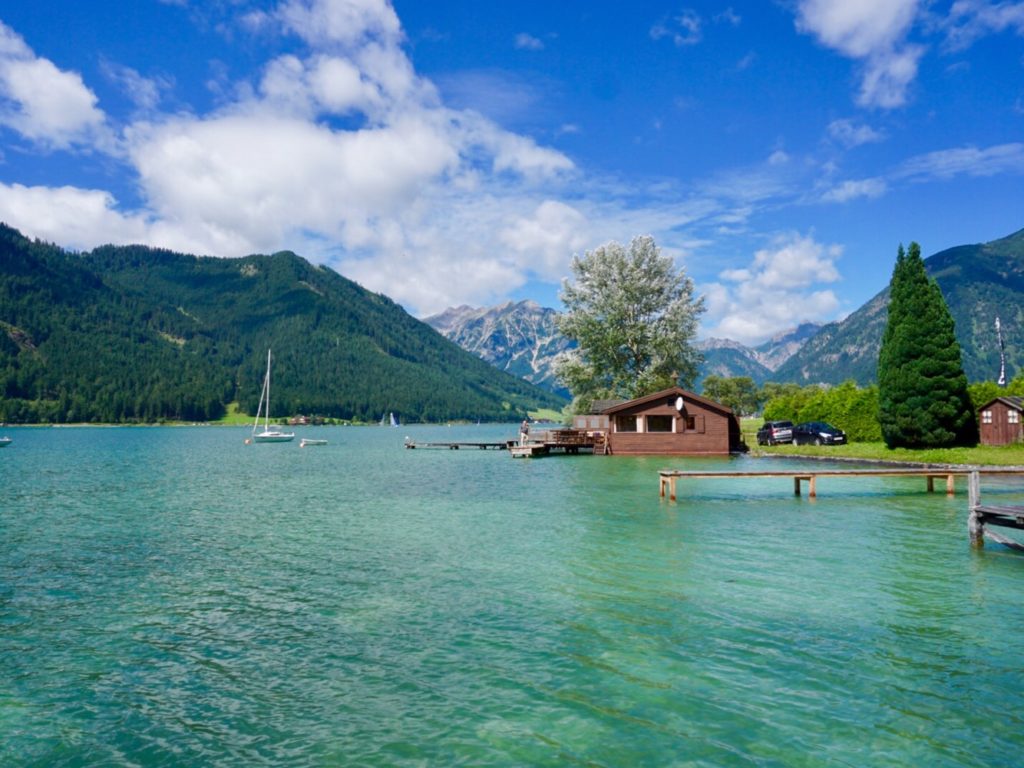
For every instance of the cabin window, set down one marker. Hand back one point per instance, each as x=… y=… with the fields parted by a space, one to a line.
x=1013 y=417
x=625 y=423
x=691 y=423
x=659 y=423
x=986 y=417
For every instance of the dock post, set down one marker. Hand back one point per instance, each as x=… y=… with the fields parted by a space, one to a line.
x=931 y=484
x=813 y=492
x=672 y=488
x=975 y=526
x=661 y=485
x=950 y=485
x=796 y=486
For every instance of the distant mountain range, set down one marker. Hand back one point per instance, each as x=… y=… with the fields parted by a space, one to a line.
x=521 y=338
x=728 y=358
x=124 y=334
x=980 y=282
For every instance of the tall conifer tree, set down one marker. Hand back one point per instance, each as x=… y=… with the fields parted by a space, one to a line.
x=922 y=388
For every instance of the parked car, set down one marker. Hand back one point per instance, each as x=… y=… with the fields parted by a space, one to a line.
x=817 y=433
x=775 y=432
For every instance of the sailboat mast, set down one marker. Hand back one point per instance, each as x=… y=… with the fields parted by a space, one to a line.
x=266 y=416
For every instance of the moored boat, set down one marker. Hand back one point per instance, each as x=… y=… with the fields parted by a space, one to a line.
x=268 y=434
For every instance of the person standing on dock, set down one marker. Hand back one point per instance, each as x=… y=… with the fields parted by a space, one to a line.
x=524 y=432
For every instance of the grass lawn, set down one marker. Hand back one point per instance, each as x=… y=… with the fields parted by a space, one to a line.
x=982 y=455
x=233 y=417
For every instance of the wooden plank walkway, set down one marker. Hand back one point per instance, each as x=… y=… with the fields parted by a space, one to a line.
x=998 y=515
x=456 y=446
x=668 y=478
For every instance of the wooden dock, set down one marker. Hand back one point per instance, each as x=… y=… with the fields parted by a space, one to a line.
x=458 y=446
x=566 y=441
x=668 y=478
x=997 y=515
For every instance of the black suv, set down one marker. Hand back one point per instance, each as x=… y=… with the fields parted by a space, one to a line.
x=818 y=433
x=774 y=432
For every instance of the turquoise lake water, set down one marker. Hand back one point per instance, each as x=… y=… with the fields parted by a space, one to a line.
x=172 y=597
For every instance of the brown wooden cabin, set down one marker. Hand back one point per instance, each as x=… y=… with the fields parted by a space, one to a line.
x=655 y=425
x=1001 y=421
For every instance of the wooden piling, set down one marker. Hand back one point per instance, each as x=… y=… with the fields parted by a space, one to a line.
x=975 y=524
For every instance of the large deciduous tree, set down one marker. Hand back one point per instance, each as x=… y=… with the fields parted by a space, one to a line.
x=922 y=389
x=633 y=315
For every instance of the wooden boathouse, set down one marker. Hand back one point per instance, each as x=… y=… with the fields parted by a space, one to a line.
x=672 y=422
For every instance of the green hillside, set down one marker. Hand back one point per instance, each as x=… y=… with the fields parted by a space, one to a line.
x=134 y=334
x=979 y=282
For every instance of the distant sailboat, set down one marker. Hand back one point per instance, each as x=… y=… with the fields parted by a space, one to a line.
x=394 y=421
x=388 y=420
x=268 y=434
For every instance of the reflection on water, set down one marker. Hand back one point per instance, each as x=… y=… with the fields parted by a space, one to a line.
x=174 y=597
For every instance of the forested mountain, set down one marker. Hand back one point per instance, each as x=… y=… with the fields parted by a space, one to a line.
x=125 y=334
x=979 y=282
x=519 y=337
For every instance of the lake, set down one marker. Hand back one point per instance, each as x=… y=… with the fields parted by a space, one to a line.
x=173 y=597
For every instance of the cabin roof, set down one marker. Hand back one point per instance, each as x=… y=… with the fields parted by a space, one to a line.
x=1017 y=403
x=654 y=397
x=600 y=406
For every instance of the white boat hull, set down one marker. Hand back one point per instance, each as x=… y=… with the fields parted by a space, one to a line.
x=273 y=437
x=5 y=441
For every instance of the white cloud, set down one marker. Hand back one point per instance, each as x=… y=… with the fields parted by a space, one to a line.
x=348 y=23
x=851 y=134
x=970 y=20
x=887 y=77
x=684 y=29
x=145 y=92
x=527 y=42
x=779 y=289
x=873 y=32
x=552 y=233
x=857 y=29
x=71 y=217
x=853 y=189
x=41 y=102
x=964 y=161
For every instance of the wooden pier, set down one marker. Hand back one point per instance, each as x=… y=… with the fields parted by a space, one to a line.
x=457 y=446
x=567 y=441
x=668 y=478
x=997 y=515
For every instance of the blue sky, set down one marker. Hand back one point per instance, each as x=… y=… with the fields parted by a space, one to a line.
x=459 y=152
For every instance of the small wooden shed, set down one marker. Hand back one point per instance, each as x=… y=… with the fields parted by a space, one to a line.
x=672 y=422
x=1001 y=421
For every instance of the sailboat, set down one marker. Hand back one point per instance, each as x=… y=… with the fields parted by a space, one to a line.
x=388 y=420
x=268 y=434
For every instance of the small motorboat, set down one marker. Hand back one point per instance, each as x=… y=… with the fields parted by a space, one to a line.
x=5 y=441
x=311 y=441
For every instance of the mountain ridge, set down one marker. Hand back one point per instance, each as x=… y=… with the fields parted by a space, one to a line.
x=131 y=333
x=520 y=337
x=979 y=282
